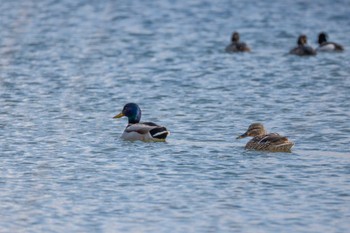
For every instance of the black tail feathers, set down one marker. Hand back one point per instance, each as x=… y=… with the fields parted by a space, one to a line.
x=159 y=132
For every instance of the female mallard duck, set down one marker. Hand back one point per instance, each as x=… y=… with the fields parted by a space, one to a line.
x=136 y=130
x=237 y=46
x=303 y=48
x=325 y=46
x=268 y=142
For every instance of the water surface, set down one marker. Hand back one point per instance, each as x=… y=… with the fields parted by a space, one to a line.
x=66 y=68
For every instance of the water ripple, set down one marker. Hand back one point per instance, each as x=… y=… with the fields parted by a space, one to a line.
x=66 y=68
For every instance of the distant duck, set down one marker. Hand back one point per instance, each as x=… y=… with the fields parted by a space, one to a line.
x=136 y=130
x=303 y=48
x=266 y=142
x=237 y=46
x=325 y=46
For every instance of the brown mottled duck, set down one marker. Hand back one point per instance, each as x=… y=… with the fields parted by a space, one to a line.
x=266 y=141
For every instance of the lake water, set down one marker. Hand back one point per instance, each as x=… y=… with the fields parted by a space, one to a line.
x=67 y=67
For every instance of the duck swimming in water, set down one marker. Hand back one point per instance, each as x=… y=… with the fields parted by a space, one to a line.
x=325 y=46
x=303 y=48
x=236 y=46
x=143 y=131
x=266 y=142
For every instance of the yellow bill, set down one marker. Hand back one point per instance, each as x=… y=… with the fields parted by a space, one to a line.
x=119 y=115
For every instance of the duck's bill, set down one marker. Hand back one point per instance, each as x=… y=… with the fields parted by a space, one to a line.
x=242 y=136
x=119 y=115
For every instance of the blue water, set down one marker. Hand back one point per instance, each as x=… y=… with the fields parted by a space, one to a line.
x=67 y=67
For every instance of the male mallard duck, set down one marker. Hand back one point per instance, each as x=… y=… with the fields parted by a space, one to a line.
x=136 y=130
x=326 y=46
x=237 y=46
x=263 y=141
x=303 y=48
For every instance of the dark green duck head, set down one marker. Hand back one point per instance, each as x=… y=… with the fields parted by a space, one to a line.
x=322 y=37
x=132 y=111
